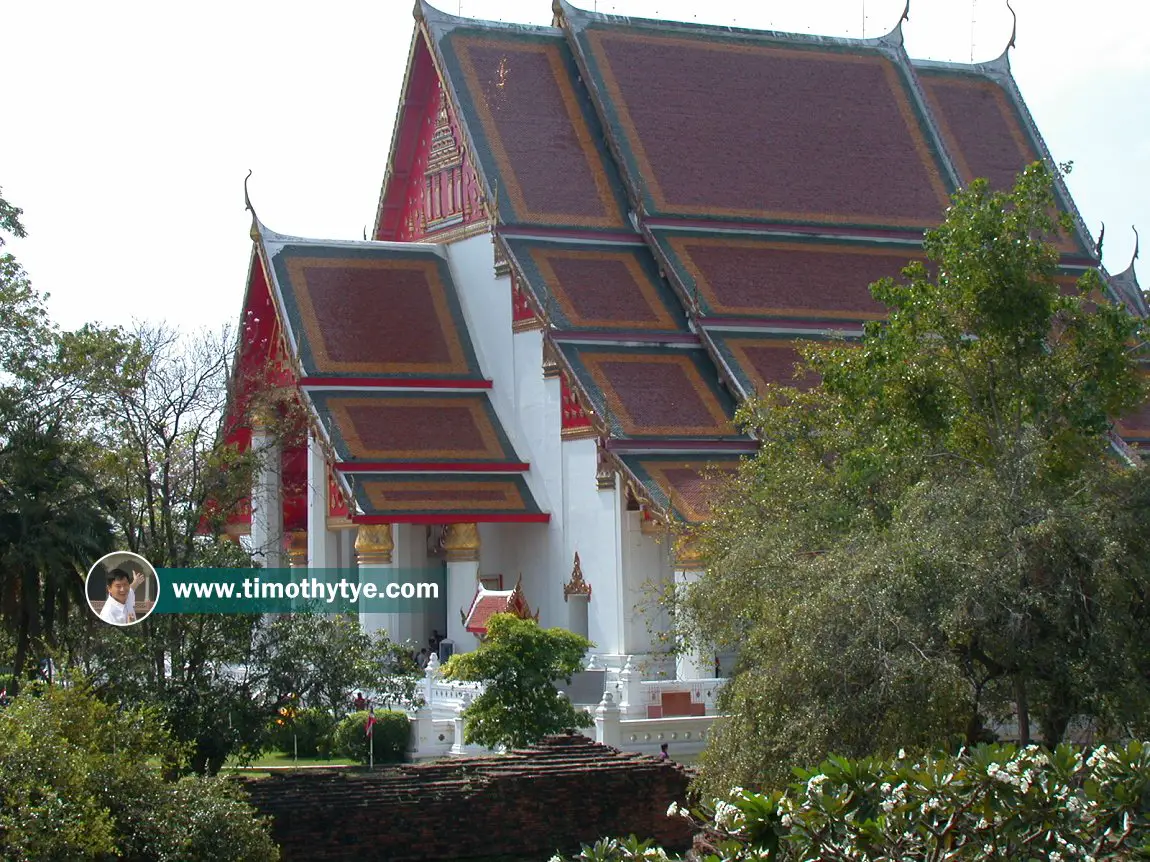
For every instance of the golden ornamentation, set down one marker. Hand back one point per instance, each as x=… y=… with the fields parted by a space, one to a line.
x=688 y=553
x=297 y=549
x=462 y=543
x=517 y=603
x=374 y=544
x=605 y=468
x=576 y=586
x=550 y=361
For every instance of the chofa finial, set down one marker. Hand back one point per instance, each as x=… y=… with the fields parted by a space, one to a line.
x=1101 y=237
x=905 y=13
x=255 y=231
x=1014 y=29
x=1135 y=245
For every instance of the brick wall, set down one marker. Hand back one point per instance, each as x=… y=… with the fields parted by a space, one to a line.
x=565 y=791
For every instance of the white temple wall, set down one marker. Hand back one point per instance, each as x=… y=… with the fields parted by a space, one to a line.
x=539 y=419
x=410 y=555
x=513 y=549
x=646 y=569
x=518 y=395
x=592 y=519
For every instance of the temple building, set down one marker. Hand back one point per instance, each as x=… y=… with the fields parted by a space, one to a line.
x=593 y=240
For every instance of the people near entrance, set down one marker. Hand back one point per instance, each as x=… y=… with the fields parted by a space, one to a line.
x=120 y=608
x=663 y=754
x=360 y=702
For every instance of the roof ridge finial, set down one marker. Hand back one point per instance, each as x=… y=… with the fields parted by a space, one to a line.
x=1135 y=245
x=1101 y=237
x=247 y=198
x=905 y=13
x=255 y=231
x=1013 y=29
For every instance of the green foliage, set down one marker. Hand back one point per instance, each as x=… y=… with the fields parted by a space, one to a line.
x=939 y=534
x=629 y=849
x=519 y=663
x=307 y=733
x=391 y=732
x=77 y=782
x=993 y=802
x=322 y=659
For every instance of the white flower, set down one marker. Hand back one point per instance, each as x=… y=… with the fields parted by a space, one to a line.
x=672 y=809
x=727 y=816
x=1055 y=856
x=902 y=754
x=815 y=782
x=787 y=820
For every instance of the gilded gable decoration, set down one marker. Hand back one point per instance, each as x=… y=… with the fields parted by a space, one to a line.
x=577 y=586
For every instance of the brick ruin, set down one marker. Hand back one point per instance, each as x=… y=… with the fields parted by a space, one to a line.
x=528 y=804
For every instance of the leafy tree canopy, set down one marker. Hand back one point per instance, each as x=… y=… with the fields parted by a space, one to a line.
x=940 y=534
x=80 y=782
x=519 y=662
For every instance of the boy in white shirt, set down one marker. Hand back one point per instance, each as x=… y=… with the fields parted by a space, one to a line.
x=120 y=608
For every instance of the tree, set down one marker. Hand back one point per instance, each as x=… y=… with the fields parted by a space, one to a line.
x=54 y=515
x=80 y=782
x=519 y=663
x=940 y=534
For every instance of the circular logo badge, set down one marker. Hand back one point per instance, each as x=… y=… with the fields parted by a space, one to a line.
x=122 y=588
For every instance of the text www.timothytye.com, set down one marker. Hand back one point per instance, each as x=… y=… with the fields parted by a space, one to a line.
x=310 y=590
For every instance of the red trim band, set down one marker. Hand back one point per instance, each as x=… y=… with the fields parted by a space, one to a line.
x=477 y=518
x=393 y=383
x=432 y=467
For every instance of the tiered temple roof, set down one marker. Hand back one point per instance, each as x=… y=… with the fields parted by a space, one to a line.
x=387 y=366
x=679 y=207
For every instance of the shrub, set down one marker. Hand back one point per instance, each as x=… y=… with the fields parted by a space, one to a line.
x=79 y=780
x=310 y=733
x=993 y=802
x=392 y=733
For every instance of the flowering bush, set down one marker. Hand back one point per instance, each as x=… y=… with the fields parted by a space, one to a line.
x=991 y=802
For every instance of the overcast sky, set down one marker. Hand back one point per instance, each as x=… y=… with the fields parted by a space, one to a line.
x=127 y=128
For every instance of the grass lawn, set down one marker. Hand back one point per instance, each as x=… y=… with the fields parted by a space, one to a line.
x=278 y=759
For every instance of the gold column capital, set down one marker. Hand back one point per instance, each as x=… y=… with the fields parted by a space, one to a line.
x=374 y=544
x=462 y=543
x=688 y=553
x=297 y=549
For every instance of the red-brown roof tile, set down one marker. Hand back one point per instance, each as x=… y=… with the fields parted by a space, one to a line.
x=749 y=127
x=756 y=277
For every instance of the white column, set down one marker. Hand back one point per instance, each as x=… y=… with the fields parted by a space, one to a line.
x=267 y=500
x=320 y=542
x=607 y=728
x=373 y=547
x=631 y=692
x=462 y=547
